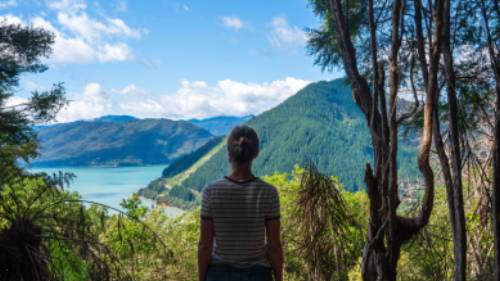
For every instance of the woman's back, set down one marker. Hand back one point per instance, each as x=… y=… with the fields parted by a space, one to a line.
x=240 y=226
x=239 y=211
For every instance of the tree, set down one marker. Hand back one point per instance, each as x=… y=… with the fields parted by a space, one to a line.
x=21 y=51
x=452 y=175
x=348 y=25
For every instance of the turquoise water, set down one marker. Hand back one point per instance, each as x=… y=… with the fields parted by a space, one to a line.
x=110 y=186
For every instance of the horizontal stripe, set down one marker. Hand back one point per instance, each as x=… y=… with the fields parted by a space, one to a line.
x=239 y=212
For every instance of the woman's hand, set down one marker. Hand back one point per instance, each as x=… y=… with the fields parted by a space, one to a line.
x=274 y=248
x=205 y=247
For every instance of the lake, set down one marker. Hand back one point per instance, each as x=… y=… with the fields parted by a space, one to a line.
x=110 y=186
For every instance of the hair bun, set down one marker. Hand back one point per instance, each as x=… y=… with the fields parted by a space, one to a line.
x=243 y=144
x=242 y=140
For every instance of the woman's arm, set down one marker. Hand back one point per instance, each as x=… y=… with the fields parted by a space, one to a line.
x=205 y=247
x=274 y=248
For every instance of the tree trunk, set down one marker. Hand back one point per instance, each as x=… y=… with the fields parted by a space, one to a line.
x=495 y=66
x=496 y=188
x=457 y=208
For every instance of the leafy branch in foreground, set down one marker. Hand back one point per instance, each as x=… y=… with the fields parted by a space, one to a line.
x=43 y=228
x=330 y=238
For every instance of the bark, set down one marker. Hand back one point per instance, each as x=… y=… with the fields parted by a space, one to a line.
x=457 y=207
x=496 y=187
x=429 y=107
x=452 y=175
x=393 y=237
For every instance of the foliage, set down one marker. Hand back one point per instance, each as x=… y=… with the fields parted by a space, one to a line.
x=22 y=51
x=426 y=257
x=182 y=233
x=330 y=239
x=48 y=234
x=135 y=238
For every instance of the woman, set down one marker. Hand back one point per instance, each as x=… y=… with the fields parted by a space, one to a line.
x=240 y=220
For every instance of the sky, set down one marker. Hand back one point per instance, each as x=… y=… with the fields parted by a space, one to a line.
x=173 y=59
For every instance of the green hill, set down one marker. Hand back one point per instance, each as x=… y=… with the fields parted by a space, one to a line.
x=184 y=162
x=109 y=143
x=320 y=123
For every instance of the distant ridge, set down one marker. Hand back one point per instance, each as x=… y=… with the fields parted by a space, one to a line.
x=220 y=125
x=115 y=118
x=118 y=141
x=113 y=140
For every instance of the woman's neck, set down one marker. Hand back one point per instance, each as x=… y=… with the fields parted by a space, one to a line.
x=242 y=172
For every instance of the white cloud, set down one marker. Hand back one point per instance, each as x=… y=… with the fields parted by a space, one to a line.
x=10 y=19
x=67 y=5
x=67 y=49
x=282 y=34
x=91 y=103
x=80 y=38
x=233 y=22
x=4 y=4
x=116 y=52
x=197 y=99
x=90 y=29
x=193 y=99
x=15 y=100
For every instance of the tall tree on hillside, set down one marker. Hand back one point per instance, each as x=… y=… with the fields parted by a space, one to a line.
x=348 y=25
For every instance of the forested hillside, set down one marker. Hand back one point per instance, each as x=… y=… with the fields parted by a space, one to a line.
x=320 y=123
x=122 y=142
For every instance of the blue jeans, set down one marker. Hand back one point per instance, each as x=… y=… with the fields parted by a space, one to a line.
x=229 y=273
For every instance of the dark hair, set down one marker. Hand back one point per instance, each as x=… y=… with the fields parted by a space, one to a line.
x=243 y=144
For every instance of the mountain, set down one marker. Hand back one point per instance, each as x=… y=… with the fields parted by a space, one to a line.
x=320 y=123
x=220 y=125
x=118 y=141
x=188 y=160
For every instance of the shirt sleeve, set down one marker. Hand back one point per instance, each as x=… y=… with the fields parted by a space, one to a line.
x=274 y=207
x=206 y=206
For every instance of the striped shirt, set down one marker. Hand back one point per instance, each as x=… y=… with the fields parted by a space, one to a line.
x=239 y=211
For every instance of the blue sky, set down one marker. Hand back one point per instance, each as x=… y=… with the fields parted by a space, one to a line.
x=169 y=58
